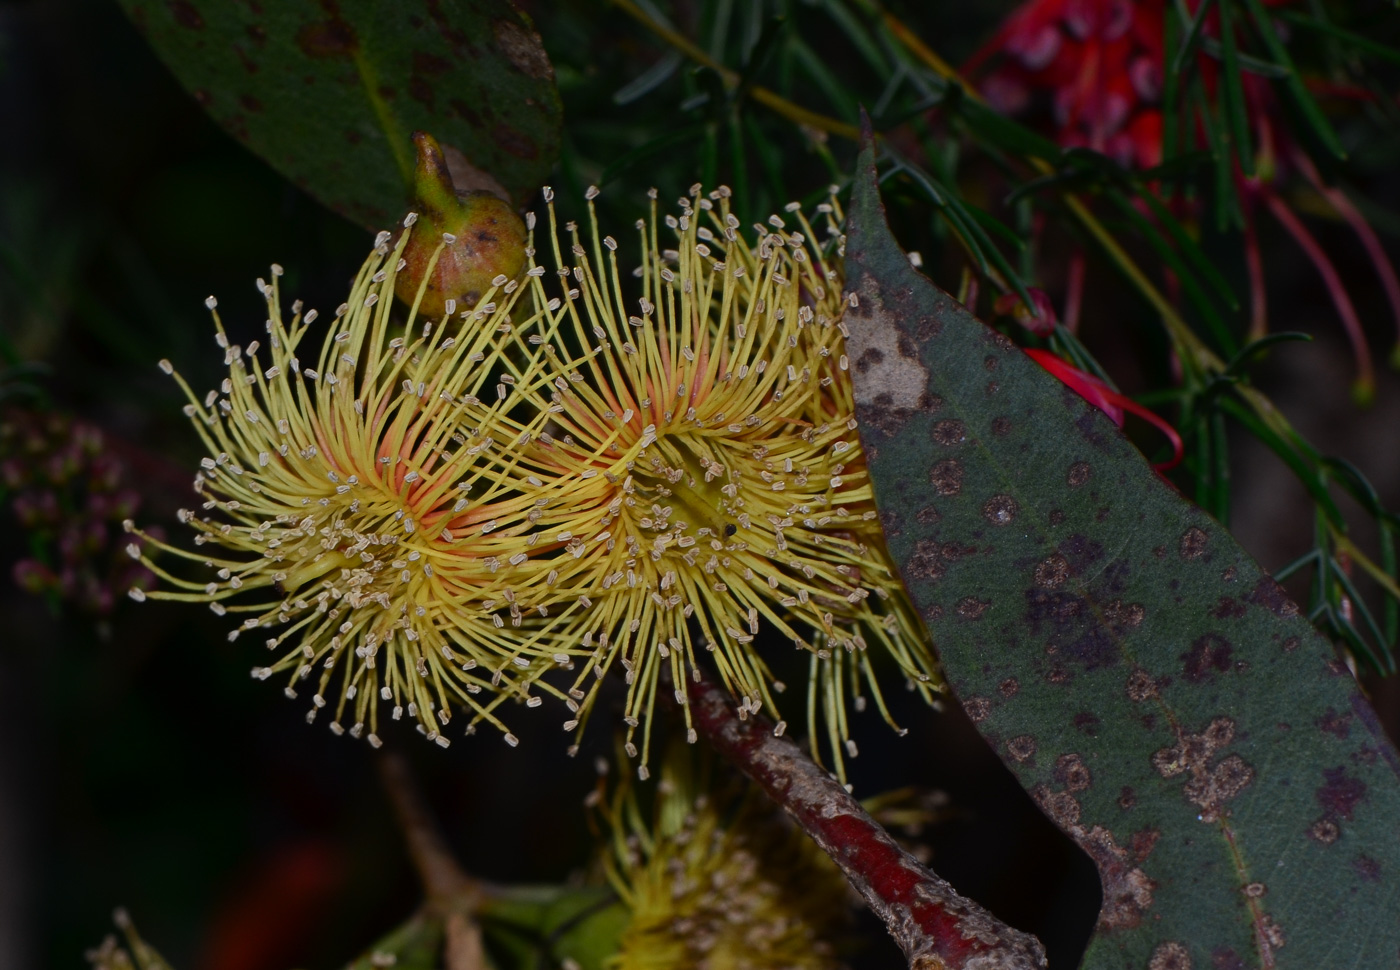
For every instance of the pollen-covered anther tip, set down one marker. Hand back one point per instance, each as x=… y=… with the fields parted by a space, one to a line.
x=121 y=917
x=137 y=593
x=210 y=302
x=276 y=269
x=166 y=367
x=133 y=550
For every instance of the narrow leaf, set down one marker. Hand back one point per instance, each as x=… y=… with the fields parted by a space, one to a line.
x=1306 y=103
x=1359 y=41
x=1236 y=111
x=650 y=79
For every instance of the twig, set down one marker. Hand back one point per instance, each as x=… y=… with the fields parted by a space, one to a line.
x=449 y=890
x=935 y=927
x=441 y=875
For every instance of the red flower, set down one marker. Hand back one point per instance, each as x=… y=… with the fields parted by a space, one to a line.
x=1101 y=62
x=1098 y=65
x=1107 y=400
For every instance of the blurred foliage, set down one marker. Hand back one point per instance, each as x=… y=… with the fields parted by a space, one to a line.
x=329 y=95
x=158 y=775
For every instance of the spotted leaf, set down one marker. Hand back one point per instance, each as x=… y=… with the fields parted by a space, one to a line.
x=329 y=93
x=1152 y=688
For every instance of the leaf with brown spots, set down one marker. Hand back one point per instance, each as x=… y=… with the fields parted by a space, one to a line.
x=329 y=93
x=1133 y=667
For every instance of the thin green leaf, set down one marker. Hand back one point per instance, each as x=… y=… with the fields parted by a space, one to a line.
x=1193 y=33
x=1189 y=248
x=854 y=31
x=762 y=51
x=1306 y=103
x=1241 y=360
x=1008 y=135
x=739 y=166
x=770 y=160
x=1235 y=110
x=1064 y=180
x=1216 y=324
x=1290 y=457
x=1306 y=559
x=1171 y=95
x=1218 y=138
x=1254 y=65
x=816 y=69
x=720 y=13
x=641 y=153
x=1358 y=606
x=1220 y=473
x=650 y=79
x=1360 y=41
x=1392 y=607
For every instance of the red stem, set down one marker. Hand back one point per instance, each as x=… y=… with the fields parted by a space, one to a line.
x=1074 y=291
x=1365 y=377
x=1258 y=294
x=935 y=927
x=1339 y=201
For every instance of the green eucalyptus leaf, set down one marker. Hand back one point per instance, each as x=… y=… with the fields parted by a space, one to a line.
x=1157 y=693
x=415 y=944
x=328 y=94
x=582 y=924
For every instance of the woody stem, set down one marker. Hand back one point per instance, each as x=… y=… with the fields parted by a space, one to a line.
x=442 y=878
x=934 y=926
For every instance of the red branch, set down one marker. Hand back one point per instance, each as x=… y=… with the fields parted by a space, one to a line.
x=935 y=927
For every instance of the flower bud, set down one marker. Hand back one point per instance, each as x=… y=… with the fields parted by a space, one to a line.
x=1040 y=321
x=488 y=238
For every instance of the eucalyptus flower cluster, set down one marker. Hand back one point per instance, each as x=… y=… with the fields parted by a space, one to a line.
x=595 y=467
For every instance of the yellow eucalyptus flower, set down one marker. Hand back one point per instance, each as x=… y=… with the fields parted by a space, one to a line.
x=445 y=508
x=372 y=508
x=719 y=879
x=720 y=482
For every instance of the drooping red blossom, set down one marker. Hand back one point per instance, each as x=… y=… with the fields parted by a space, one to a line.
x=1100 y=62
x=1040 y=322
x=1106 y=399
x=1093 y=70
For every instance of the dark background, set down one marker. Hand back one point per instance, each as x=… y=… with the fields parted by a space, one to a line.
x=141 y=766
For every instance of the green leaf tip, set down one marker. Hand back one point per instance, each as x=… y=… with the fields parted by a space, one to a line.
x=1154 y=690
